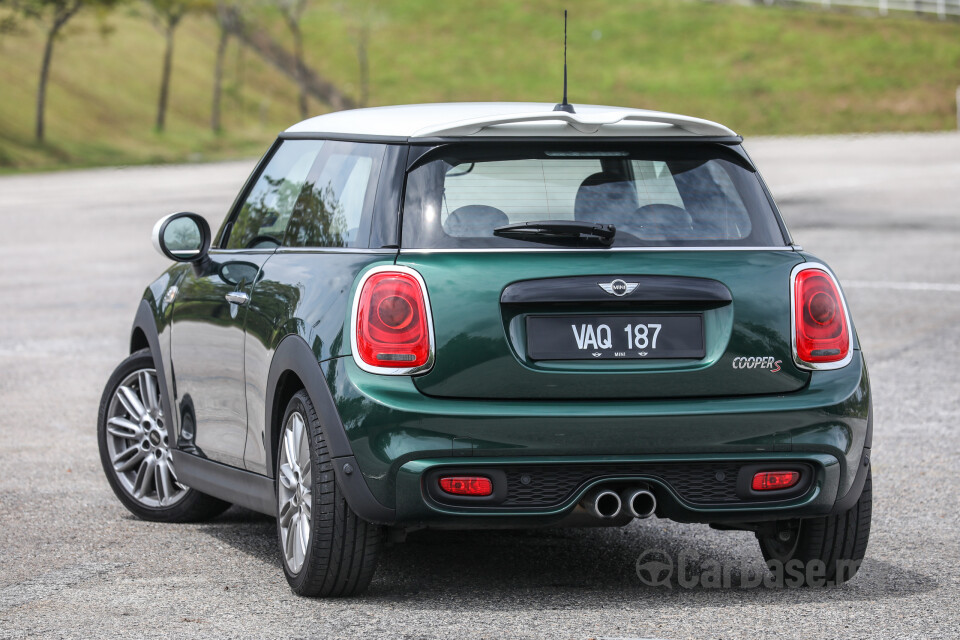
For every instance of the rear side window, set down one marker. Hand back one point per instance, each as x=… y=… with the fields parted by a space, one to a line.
x=656 y=195
x=264 y=215
x=335 y=206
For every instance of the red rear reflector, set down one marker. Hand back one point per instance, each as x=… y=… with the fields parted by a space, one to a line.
x=392 y=322
x=467 y=485
x=773 y=480
x=822 y=332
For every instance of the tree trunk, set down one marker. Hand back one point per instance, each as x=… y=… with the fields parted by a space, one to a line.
x=42 y=84
x=60 y=18
x=301 y=67
x=165 y=77
x=241 y=83
x=218 y=79
x=364 y=63
x=276 y=54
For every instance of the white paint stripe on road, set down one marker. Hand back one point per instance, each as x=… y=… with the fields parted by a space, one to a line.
x=903 y=286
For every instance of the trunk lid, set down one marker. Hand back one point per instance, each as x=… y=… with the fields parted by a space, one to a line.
x=482 y=302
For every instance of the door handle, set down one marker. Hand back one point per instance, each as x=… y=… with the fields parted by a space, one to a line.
x=237 y=297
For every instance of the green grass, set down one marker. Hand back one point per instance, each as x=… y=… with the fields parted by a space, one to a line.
x=759 y=70
x=103 y=91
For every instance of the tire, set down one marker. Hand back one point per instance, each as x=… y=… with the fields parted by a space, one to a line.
x=837 y=541
x=336 y=554
x=135 y=452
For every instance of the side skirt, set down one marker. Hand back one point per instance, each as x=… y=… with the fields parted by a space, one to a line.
x=234 y=485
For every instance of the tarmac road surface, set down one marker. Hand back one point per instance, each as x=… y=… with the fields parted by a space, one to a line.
x=75 y=255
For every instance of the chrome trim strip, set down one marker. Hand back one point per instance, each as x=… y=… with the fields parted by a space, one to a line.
x=589 y=249
x=365 y=250
x=377 y=251
x=355 y=308
x=817 y=366
x=240 y=252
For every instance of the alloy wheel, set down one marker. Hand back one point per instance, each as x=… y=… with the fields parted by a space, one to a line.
x=295 y=491
x=138 y=442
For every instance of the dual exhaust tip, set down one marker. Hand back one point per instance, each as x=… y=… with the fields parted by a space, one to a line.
x=638 y=502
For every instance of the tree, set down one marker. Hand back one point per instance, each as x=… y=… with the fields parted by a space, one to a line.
x=227 y=15
x=167 y=15
x=8 y=17
x=292 y=12
x=363 y=17
x=53 y=15
x=222 y=15
x=259 y=40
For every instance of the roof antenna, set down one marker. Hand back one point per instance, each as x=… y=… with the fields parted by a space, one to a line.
x=564 y=106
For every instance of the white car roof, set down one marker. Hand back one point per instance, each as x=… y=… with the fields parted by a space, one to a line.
x=528 y=119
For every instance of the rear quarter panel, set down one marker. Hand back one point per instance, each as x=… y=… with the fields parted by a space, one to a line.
x=302 y=293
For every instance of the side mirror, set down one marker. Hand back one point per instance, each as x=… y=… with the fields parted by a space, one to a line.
x=184 y=237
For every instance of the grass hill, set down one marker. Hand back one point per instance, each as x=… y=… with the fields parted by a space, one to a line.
x=760 y=70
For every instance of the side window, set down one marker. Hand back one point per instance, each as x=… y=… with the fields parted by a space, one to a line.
x=265 y=214
x=335 y=206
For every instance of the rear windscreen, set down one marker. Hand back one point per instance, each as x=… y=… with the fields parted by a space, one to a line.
x=655 y=195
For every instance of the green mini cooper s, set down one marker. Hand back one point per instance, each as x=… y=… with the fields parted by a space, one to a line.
x=468 y=316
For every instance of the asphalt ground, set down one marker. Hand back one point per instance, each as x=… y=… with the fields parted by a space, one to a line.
x=75 y=255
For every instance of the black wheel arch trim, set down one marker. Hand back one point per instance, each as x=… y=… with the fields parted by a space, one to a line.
x=145 y=322
x=294 y=355
x=856 y=489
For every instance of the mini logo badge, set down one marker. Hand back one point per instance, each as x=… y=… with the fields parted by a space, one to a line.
x=618 y=287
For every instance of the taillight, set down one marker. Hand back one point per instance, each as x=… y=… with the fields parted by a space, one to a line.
x=821 y=327
x=773 y=480
x=467 y=485
x=391 y=322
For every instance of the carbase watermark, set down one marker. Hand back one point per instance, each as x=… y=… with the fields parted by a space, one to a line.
x=657 y=568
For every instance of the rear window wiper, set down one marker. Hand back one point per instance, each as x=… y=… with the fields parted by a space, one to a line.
x=559 y=232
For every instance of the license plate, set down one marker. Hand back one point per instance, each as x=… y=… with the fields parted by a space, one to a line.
x=615 y=337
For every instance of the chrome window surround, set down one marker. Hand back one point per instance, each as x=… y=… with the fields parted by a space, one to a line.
x=354 y=314
x=817 y=366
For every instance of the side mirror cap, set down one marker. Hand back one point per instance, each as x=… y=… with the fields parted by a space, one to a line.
x=183 y=237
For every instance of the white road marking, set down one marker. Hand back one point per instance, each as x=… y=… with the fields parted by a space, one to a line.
x=903 y=286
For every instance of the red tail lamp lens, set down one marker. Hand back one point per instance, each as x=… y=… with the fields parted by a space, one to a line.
x=467 y=485
x=395 y=312
x=392 y=329
x=821 y=325
x=773 y=480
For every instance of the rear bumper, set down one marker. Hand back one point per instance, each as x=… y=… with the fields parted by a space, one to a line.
x=398 y=435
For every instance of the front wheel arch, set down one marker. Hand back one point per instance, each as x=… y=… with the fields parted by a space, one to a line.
x=145 y=328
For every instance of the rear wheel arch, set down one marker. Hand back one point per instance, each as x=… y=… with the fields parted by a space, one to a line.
x=294 y=364
x=295 y=361
x=288 y=385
